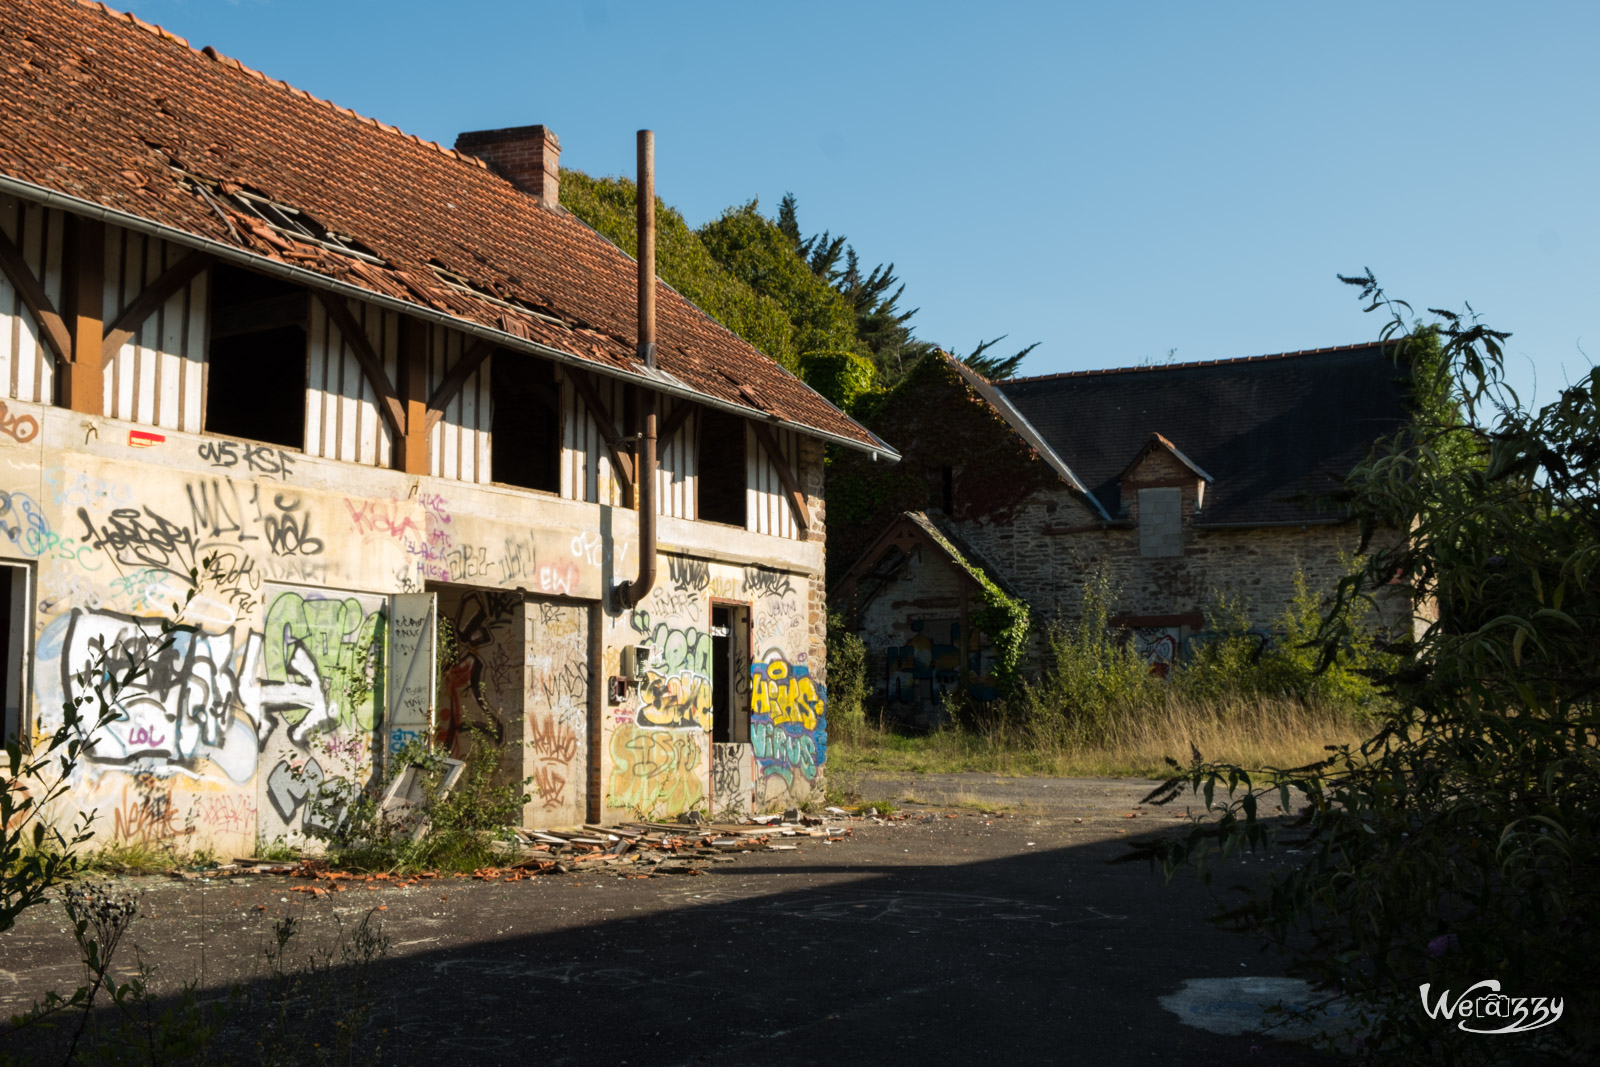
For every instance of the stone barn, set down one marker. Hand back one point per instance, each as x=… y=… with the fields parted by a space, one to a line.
x=1179 y=482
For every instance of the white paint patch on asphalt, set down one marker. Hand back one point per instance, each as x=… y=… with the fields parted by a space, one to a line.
x=1240 y=1006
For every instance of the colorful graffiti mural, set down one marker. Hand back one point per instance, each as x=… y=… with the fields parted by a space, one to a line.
x=556 y=711
x=928 y=666
x=322 y=679
x=184 y=714
x=676 y=690
x=788 y=720
x=1158 y=647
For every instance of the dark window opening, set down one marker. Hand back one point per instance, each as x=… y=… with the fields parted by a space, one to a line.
x=722 y=468
x=256 y=373
x=730 y=673
x=948 y=497
x=525 y=422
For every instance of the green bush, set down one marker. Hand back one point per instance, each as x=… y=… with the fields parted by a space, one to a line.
x=847 y=678
x=1289 y=660
x=462 y=826
x=1088 y=673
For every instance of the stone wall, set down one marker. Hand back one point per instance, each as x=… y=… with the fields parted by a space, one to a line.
x=1053 y=545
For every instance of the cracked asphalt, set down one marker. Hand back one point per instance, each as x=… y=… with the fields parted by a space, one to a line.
x=951 y=937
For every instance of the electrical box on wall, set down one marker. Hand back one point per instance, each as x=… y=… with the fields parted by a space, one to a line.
x=635 y=659
x=616 y=690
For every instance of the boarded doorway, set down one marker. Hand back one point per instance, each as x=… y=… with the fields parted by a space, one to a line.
x=557 y=713
x=514 y=679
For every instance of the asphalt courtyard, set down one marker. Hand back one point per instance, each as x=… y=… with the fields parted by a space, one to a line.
x=954 y=936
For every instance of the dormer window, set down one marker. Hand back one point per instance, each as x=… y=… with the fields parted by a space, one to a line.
x=1161 y=522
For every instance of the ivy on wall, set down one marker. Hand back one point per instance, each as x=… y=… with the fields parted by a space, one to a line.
x=935 y=420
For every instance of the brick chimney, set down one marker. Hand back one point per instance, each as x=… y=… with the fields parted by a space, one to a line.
x=526 y=156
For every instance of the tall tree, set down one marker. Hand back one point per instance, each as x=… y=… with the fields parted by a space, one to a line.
x=881 y=326
x=996 y=368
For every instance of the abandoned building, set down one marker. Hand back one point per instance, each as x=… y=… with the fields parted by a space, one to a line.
x=449 y=466
x=1177 y=482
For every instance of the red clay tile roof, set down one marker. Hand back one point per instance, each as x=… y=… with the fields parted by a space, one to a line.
x=100 y=105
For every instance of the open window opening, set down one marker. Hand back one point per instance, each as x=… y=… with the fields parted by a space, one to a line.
x=723 y=475
x=525 y=422
x=730 y=673
x=256 y=373
x=13 y=647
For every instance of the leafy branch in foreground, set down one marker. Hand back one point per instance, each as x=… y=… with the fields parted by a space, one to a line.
x=36 y=853
x=1458 y=843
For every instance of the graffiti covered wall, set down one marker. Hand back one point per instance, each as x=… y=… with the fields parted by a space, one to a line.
x=322 y=676
x=659 y=745
x=233 y=732
x=225 y=740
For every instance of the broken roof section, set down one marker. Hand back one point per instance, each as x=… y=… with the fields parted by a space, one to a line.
x=106 y=111
x=1275 y=433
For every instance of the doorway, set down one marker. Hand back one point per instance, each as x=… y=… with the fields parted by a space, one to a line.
x=732 y=760
x=730 y=673
x=13 y=646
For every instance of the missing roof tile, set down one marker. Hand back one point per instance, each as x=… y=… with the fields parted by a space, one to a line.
x=290 y=221
x=462 y=284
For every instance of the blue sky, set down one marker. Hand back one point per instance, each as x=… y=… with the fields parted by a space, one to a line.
x=1114 y=180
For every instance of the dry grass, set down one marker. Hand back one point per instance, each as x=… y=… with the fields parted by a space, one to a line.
x=1130 y=742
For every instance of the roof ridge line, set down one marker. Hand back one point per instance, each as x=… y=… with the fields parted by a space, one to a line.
x=1192 y=363
x=210 y=52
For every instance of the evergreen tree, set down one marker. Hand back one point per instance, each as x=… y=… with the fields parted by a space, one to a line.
x=996 y=368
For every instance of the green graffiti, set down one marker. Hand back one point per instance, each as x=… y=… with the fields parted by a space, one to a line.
x=320 y=663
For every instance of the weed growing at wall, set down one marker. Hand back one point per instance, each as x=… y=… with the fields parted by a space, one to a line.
x=1289 y=658
x=460 y=827
x=847 y=678
x=1088 y=675
x=36 y=854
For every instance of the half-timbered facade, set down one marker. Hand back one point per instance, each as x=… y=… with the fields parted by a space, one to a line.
x=382 y=402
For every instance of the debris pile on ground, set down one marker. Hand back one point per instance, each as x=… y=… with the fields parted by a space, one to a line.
x=629 y=850
x=646 y=849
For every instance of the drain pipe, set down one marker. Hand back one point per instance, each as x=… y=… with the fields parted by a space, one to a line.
x=631 y=593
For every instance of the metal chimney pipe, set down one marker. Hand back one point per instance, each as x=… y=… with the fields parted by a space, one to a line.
x=631 y=593
x=646 y=225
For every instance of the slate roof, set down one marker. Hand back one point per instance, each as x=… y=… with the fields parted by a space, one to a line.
x=99 y=106
x=1274 y=432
